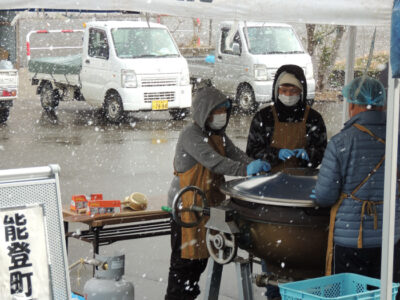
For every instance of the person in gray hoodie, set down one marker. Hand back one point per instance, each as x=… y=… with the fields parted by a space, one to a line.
x=203 y=155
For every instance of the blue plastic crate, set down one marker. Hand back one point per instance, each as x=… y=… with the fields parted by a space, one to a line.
x=75 y=296
x=339 y=286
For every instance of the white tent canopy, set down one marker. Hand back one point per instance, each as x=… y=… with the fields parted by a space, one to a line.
x=344 y=12
x=339 y=12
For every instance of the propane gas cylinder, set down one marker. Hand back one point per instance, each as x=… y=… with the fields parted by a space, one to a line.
x=108 y=284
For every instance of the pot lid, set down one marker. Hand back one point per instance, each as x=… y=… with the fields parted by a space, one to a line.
x=291 y=187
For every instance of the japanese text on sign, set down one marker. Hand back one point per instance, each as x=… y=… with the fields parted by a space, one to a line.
x=18 y=250
x=23 y=255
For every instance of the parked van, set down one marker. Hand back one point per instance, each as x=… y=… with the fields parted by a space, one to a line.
x=246 y=57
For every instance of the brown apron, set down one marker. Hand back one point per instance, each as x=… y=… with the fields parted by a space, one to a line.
x=368 y=207
x=289 y=135
x=194 y=239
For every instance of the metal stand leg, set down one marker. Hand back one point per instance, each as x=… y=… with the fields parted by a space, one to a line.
x=96 y=233
x=66 y=237
x=243 y=273
x=213 y=280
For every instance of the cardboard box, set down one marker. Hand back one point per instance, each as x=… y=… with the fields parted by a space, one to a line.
x=96 y=207
x=78 y=202
x=96 y=196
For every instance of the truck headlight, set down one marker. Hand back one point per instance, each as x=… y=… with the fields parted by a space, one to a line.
x=271 y=73
x=260 y=72
x=185 y=80
x=128 y=79
x=309 y=71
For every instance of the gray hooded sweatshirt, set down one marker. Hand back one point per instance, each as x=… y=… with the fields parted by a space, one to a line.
x=192 y=146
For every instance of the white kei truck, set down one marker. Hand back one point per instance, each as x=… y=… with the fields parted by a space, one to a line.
x=247 y=55
x=8 y=88
x=125 y=66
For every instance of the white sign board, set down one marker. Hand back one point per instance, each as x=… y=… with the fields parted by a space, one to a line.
x=24 y=269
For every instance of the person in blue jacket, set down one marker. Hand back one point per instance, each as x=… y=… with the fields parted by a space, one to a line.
x=351 y=181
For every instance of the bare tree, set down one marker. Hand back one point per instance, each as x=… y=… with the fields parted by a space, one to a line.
x=180 y=22
x=196 y=31
x=310 y=38
x=324 y=41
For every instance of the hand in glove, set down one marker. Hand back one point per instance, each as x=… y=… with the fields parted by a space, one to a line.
x=285 y=154
x=258 y=166
x=301 y=153
x=312 y=195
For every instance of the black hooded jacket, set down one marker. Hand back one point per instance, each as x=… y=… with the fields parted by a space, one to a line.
x=262 y=125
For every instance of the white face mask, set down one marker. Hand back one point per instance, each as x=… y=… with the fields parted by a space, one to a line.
x=289 y=100
x=219 y=121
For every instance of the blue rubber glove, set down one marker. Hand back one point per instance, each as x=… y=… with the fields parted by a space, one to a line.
x=284 y=154
x=301 y=153
x=257 y=166
x=312 y=195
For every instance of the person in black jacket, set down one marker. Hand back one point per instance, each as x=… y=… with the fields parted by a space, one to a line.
x=288 y=134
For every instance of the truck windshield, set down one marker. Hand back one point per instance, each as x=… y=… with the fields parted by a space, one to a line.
x=273 y=40
x=143 y=42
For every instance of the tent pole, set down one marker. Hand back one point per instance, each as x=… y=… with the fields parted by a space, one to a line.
x=349 y=69
x=389 y=206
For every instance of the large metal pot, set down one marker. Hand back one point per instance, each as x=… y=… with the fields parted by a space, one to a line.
x=279 y=223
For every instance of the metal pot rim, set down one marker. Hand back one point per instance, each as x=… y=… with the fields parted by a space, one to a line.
x=300 y=184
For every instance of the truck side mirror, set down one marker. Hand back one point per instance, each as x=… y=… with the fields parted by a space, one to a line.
x=236 y=49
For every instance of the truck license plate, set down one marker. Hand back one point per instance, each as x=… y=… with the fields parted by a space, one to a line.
x=159 y=104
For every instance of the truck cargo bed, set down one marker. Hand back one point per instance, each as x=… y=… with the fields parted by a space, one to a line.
x=199 y=68
x=65 y=65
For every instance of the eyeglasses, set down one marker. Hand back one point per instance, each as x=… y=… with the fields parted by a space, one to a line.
x=289 y=90
x=219 y=110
